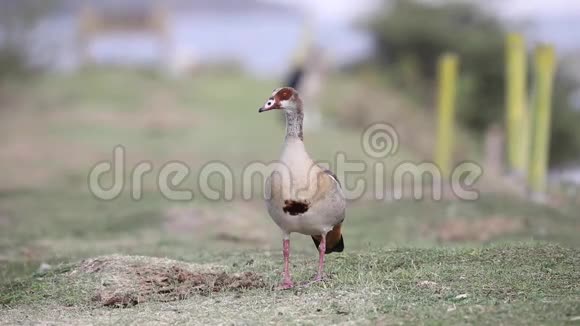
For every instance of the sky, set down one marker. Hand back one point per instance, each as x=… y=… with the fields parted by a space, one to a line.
x=555 y=21
x=333 y=11
x=542 y=9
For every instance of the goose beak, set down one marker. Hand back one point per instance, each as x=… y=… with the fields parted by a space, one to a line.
x=263 y=109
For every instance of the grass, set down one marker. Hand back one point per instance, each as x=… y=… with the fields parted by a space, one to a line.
x=496 y=260
x=516 y=284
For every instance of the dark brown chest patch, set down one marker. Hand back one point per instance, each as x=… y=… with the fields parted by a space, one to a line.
x=294 y=207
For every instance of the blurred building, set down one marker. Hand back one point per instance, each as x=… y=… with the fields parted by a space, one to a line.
x=178 y=34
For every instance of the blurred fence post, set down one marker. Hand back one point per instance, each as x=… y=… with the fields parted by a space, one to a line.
x=87 y=21
x=542 y=106
x=494 y=150
x=447 y=80
x=517 y=115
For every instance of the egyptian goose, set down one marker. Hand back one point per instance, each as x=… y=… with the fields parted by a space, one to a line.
x=301 y=196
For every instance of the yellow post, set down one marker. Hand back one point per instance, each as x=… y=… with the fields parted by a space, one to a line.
x=447 y=80
x=544 y=79
x=517 y=115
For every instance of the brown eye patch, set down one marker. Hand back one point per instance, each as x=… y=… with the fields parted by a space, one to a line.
x=285 y=94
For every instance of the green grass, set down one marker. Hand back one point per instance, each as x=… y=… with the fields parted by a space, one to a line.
x=516 y=284
x=405 y=261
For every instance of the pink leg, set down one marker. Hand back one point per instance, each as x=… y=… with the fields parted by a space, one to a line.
x=322 y=251
x=287 y=280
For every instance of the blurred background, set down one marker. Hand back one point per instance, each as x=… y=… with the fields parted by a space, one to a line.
x=181 y=80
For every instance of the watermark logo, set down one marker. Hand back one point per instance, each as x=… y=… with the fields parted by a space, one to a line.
x=379 y=142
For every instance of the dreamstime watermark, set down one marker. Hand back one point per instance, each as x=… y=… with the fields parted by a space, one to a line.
x=379 y=142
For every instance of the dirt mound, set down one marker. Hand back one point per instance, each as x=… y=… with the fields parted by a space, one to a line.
x=125 y=281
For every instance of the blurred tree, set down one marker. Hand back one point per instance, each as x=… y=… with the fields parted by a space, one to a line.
x=15 y=19
x=565 y=134
x=417 y=32
x=412 y=34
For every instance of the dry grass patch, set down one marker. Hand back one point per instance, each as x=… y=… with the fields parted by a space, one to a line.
x=125 y=281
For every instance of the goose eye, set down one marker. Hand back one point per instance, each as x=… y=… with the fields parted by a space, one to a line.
x=269 y=103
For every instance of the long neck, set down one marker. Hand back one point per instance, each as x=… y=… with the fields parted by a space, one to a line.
x=294 y=124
